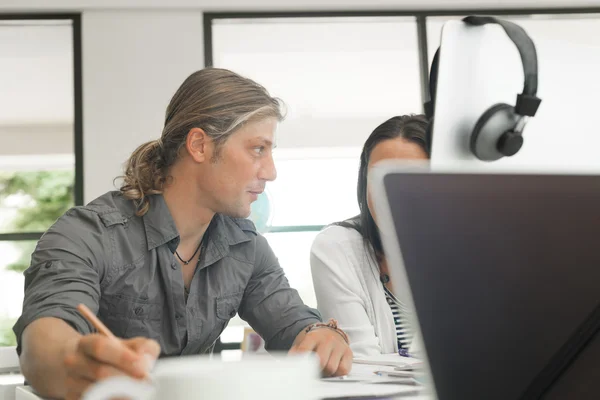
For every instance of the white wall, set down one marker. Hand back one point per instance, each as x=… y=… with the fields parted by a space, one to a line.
x=133 y=61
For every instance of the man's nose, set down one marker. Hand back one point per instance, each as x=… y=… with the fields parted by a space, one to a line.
x=268 y=172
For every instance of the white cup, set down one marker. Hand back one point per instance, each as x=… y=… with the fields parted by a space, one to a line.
x=257 y=377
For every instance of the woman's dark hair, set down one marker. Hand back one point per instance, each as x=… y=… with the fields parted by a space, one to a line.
x=412 y=128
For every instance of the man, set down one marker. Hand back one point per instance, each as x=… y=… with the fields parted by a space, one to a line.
x=166 y=261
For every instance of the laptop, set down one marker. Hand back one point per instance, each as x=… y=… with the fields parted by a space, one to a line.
x=503 y=273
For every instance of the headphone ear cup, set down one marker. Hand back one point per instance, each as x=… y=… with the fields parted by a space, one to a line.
x=490 y=127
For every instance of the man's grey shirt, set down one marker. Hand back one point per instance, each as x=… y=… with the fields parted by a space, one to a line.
x=123 y=268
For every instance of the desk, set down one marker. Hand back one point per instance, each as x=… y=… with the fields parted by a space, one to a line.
x=25 y=393
x=8 y=384
x=361 y=383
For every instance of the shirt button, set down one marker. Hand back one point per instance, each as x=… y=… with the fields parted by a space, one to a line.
x=174 y=265
x=138 y=310
x=232 y=314
x=48 y=264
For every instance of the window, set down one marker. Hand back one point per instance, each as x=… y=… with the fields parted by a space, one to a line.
x=314 y=191
x=339 y=78
x=38 y=126
x=11 y=286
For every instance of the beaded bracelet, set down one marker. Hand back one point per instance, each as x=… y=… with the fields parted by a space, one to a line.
x=332 y=324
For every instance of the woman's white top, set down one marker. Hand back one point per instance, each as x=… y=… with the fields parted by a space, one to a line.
x=348 y=288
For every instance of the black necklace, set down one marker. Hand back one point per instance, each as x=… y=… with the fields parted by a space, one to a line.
x=193 y=255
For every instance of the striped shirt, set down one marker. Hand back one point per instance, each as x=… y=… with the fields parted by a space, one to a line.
x=399 y=311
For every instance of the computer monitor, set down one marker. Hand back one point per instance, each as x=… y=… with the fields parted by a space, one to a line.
x=479 y=66
x=502 y=270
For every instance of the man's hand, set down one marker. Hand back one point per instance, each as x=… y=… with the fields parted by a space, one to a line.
x=98 y=357
x=333 y=351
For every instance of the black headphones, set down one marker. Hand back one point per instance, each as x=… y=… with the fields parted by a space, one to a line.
x=498 y=132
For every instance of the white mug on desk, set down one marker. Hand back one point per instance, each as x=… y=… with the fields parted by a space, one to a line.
x=258 y=377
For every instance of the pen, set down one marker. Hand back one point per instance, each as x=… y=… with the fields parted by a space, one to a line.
x=92 y=319
x=399 y=380
x=398 y=374
x=100 y=327
x=344 y=378
x=406 y=368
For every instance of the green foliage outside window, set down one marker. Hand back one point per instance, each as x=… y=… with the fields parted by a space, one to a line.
x=7 y=337
x=46 y=196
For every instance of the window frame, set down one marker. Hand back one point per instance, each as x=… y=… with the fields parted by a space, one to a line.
x=77 y=110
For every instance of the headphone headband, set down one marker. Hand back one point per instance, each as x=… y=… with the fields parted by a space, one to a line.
x=430 y=104
x=527 y=103
x=524 y=44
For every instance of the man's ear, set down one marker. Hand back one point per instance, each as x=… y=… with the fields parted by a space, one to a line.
x=199 y=145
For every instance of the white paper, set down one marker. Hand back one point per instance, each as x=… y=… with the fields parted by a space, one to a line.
x=332 y=390
x=363 y=381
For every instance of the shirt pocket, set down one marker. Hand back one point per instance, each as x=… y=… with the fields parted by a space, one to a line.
x=226 y=308
x=228 y=305
x=127 y=317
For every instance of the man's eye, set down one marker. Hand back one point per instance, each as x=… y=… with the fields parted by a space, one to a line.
x=259 y=150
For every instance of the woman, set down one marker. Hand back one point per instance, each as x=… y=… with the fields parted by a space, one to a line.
x=349 y=268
